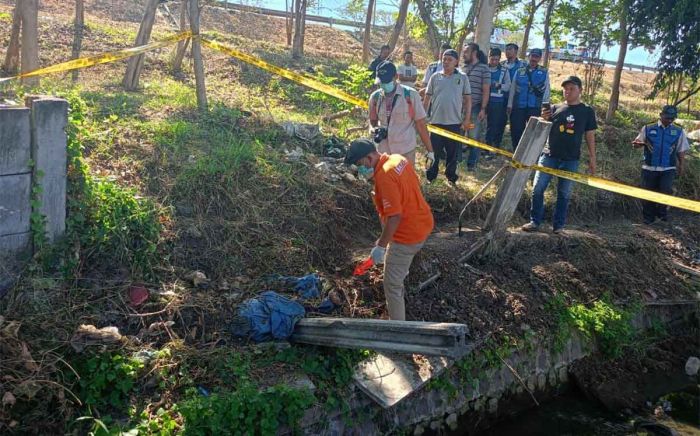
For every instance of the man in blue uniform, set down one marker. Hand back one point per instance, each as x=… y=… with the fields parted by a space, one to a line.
x=665 y=145
x=529 y=89
x=512 y=64
x=496 y=113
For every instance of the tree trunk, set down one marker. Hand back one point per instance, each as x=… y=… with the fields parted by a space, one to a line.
x=432 y=32
x=11 y=65
x=182 y=45
x=532 y=8
x=197 y=57
x=484 y=26
x=289 y=21
x=617 y=76
x=367 y=33
x=135 y=63
x=469 y=24
x=400 y=23
x=29 y=50
x=547 y=32
x=299 y=28
x=78 y=25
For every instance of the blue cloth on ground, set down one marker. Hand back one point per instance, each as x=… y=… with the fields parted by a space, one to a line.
x=326 y=306
x=307 y=286
x=270 y=316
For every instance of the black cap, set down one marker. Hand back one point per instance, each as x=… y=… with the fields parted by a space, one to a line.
x=536 y=52
x=669 y=111
x=572 y=79
x=358 y=149
x=495 y=52
x=386 y=71
x=451 y=52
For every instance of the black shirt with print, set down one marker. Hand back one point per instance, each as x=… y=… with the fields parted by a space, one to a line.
x=569 y=123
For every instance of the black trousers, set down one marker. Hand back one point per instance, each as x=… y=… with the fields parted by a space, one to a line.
x=518 y=121
x=659 y=181
x=445 y=147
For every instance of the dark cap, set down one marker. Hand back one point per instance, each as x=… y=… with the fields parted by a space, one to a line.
x=445 y=46
x=512 y=45
x=386 y=71
x=572 y=79
x=407 y=52
x=451 y=52
x=358 y=149
x=495 y=52
x=536 y=52
x=669 y=111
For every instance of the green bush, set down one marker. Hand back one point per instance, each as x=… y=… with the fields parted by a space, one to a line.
x=610 y=326
x=106 y=380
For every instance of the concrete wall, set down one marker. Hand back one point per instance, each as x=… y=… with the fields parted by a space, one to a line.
x=32 y=152
x=487 y=396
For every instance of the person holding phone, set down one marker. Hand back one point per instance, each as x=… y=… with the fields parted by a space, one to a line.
x=571 y=122
x=665 y=145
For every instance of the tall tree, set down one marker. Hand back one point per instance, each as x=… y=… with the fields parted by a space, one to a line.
x=484 y=24
x=547 y=31
x=197 y=57
x=400 y=24
x=617 y=76
x=299 y=28
x=530 y=11
x=674 y=27
x=366 y=34
x=181 y=47
x=11 y=65
x=135 y=63
x=29 y=50
x=78 y=27
x=289 y=20
x=432 y=32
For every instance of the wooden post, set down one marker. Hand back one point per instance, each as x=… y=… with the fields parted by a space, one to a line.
x=508 y=197
x=135 y=63
x=197 y=55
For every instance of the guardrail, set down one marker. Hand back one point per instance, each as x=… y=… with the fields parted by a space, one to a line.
x=581 y=59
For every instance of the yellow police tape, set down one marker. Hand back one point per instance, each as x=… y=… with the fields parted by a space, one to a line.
x=103 y=58
x=595 y=182
x=296 y=77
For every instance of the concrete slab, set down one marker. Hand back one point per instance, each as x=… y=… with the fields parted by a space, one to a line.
x=15 y=140
x=15 y=209
x=389 y=378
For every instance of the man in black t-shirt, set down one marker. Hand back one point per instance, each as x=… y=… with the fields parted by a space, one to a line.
x=383 y=55
x=571 y=121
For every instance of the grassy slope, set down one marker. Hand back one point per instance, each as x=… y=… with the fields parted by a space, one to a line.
x=229 y=204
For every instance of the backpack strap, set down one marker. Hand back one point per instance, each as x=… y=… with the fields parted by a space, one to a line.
x=409 y=101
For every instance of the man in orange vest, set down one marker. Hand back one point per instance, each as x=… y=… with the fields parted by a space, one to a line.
x=405 y=216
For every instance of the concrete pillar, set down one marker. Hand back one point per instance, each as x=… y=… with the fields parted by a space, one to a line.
x=49 y=117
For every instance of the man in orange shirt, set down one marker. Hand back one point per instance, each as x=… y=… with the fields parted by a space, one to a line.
x=405 y=216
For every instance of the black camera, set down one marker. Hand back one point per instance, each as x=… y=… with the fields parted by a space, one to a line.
x=379 y=134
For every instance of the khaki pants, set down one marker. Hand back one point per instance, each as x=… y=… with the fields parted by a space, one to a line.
x=396 y=265
x=411 y=156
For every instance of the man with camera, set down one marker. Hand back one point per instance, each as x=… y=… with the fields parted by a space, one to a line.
x=571 y=122
x=396 y=114
x=529 y=90
x=447 y=98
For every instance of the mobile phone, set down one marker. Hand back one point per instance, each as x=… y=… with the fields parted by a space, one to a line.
x=546 y=106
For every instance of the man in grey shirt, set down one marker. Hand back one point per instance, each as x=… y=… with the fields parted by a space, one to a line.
x=477 y=70
x=448 y=93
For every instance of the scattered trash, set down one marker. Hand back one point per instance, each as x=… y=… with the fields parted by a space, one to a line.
x=144 y=356
x=269 y=316
x=198 y=279
x=307 y=286
x=295 y=154
x=692 y=366
x=326 y=306
x=203 y=392
x=88 y=334
x=334 y=147
x=138 y=295
x=305 y=132
x=8 y=399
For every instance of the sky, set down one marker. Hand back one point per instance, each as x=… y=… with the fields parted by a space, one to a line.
x=333 y=8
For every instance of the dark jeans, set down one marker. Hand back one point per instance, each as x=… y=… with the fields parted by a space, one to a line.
x=496 y=116
x=659 y=181
x=518 y=121
x=564 y=188
x=445 y=147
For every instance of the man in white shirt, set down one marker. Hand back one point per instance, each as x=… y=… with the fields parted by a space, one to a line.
x=408 y=73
